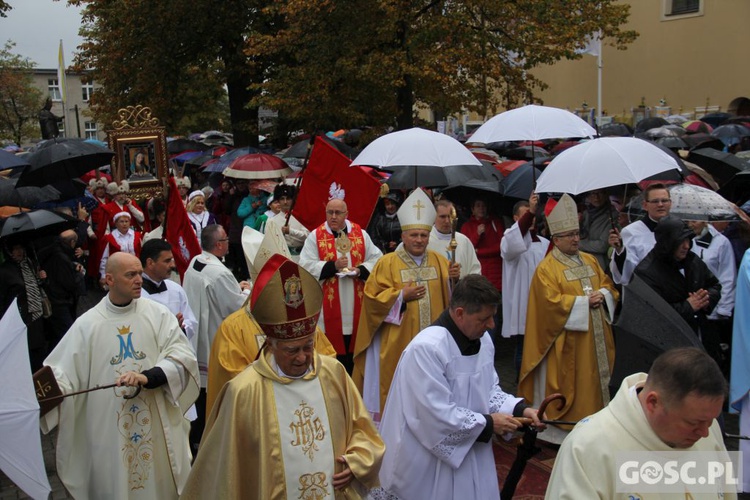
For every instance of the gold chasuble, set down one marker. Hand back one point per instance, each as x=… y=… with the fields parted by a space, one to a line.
x=391 y=273
x=272 y=437
x=578 y=364
x=236 y=344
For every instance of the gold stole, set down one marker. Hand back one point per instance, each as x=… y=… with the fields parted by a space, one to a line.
x=418 y=274
x=331 y=301
x=584 y=273
x=305 y=439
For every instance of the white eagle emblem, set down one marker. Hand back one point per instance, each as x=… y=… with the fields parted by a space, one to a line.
x=183 y=249
x=336 y=192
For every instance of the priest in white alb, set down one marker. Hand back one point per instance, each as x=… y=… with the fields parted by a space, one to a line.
x=292 y=425
x=446 y=403
x=442 y=234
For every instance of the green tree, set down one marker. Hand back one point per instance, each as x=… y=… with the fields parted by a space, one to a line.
x=4 y=8
x=375 y=61
x=20 y=101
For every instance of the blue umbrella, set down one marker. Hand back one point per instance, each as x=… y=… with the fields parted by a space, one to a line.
x=188 y=155
x=9 y=160
x=229 y=157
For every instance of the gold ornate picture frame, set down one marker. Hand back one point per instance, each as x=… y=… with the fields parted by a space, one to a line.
x=140 y=147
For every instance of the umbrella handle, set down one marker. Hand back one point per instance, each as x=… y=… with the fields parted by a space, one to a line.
x=549 y=399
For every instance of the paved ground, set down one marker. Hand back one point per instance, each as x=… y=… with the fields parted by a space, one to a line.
x=503 y=365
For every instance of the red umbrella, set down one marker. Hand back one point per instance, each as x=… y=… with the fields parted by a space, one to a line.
x=257 y=166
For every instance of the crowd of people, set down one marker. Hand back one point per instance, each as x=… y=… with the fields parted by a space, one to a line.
x=353 y=360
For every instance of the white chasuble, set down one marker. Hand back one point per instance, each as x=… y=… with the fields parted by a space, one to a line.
x=305 y=437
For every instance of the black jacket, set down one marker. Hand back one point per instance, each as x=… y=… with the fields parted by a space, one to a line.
x=661 y=271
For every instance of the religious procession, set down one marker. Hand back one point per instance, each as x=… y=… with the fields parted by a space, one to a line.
x=338 y=326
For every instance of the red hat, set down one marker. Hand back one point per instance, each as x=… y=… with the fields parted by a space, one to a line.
x=286 y=299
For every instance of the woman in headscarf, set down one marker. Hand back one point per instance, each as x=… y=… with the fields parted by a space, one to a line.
x=197 y=213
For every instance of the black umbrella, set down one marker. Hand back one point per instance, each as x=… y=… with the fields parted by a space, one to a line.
x=27 y=197
x=520 y=182
x=716 y=119
x=616 y=129
x=10 y=161
x=647 y=327
x=738 y=187
x=178 y=146
x=649 y=123
x=526 y=153
x=702 y=140
x=61 y=159
x=722 y=166
x=299 y=149
x=36 y=224
x=672 y=142
x=410 y=177
x=731 y=133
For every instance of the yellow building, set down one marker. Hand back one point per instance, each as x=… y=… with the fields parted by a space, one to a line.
x=690 y=53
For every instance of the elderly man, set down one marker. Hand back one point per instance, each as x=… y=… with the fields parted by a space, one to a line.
x=292 y=425
x=673 y=408
x=341 y=255
x=440 y=238
x=446 y=403
x=213 y=294
x=158 y=265
x=522 y=251
x=406 y=291
x=637 y=239
x=568 y=346
x=109 y=447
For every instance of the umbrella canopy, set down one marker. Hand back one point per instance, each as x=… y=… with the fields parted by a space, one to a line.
x=415 y=147
x=187 y=155
x=664 y=131
x=177 y=146
x=702 y=140
x=10 y=161
x=690 y=202
x=697 y=126
x=61 y=159
x=649 y=123
x=299 y=149
x=647 y=327
x=532 y=123
x=25 y=196
x=672 y=142
x=257 y=166
x=731 y=134
x=410 y=177
x=266 y=185
x=616 y=129
x=526 y=153
x=227 y=158
x=604 y=162
x=676 y=119
x=737 y=187
x=722 y=166
x=36 y=224
x=21 y=458
x=716 y=119
x=518 y=179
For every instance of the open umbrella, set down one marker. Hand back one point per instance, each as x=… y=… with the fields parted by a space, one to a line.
x=649 y=123
x=257 y=166
x=299 y=149
x=690 y=202
x=716 y=119
x=25 y=196
x=604 y=162
x=722 y=166
x=518 y=179
x=532 y=123
x=61 y=159
x=731 y=134
x=177 y=146
x=526 y=153
x=11 y=161
x=227 y=158
x=415 y=147
x=647 y=326
x=36 y=224
x=21 y=458
x=616 y=129
x=410 y=177
x=697 y=127
x=672 y=142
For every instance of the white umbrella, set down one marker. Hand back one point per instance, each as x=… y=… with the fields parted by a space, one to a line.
x=415 y=147
x=20 y=444
x=691 y=202
x=603 y=162
x=532 y=123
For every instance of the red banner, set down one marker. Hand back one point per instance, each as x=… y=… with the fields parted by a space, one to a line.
x=178 y=231
x=328 y=175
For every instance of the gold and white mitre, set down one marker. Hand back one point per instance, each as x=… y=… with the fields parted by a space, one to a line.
x=417 y=212
x=564 y=217
x=259 y=247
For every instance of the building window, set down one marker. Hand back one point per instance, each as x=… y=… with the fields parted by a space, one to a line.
x=680 y=7
x=91 y=132
x=54 y=89
x=86 y=90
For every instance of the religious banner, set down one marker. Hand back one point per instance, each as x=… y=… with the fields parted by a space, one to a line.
x=178 y=231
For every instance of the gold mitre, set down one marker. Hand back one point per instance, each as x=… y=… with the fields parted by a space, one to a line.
x=286 y=299
x=564 y=217
x=416 y=212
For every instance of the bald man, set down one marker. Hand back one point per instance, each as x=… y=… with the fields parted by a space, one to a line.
x=112 y=447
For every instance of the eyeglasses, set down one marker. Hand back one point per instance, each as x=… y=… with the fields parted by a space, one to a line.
x=575 y=234
x=660 y=201
x=335 y=212
x=223 y=239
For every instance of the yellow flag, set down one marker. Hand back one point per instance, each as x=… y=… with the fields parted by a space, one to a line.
x=61 y=73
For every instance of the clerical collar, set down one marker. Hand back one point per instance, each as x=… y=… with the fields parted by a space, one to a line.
x=390 y=216
x=650 y=223
x=118 y=308
x=152 y=286
x=344 y=230
x=467 y=346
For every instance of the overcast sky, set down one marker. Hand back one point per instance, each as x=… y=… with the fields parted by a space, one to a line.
x=37 y=26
